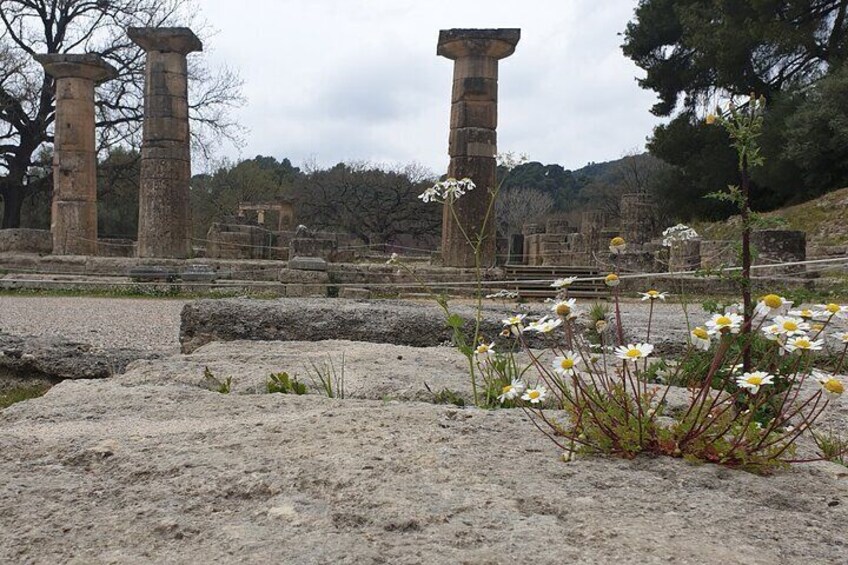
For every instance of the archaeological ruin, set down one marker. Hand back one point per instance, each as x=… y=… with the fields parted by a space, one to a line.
x=473 y=136
x=260 y=245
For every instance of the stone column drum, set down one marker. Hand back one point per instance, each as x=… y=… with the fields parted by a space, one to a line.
x=473 y=139
x=73 y=222
x=164 y=217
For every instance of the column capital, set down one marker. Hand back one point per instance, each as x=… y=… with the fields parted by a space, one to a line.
x=165 y=39
x=494 y=43
x=67 y=65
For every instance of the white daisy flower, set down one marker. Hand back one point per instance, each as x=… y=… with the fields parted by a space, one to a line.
x=634 y=352
x=723 y=323
x=617 y=245
x=653 y=295
x=806 y=314
x=803 y=343
x=512 y=390
x=566 y=365
x=562 y=283
x=833 y=309
x=535 y=395
x=514 y=325
x=841 y=337
x=543 y=326
x=774 y=333
x=831 y=385
x=771 y=304
x=791 y=326
x=485 y=350
x=701 y=339
x=612 y=280
x=565 y=309
x=753 y=381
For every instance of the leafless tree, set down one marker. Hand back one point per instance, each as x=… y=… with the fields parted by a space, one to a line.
x=517 y=206
x=27 y=104
x=374 y=203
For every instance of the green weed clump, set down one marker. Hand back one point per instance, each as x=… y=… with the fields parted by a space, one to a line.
x=282 y=383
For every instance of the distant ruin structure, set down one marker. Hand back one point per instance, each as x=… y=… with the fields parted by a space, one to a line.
x=473 y=138
x=73 y=220
x=164 y=223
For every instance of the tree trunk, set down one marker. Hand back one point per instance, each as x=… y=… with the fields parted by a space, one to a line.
x=13 y=199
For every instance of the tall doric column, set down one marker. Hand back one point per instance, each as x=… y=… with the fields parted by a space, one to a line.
x=473 y=139
x=73 y=220
x=164 y=211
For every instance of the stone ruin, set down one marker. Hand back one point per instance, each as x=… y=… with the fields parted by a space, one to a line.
x=559 y=243
x=164 y=207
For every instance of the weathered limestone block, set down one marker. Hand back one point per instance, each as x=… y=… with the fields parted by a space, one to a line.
x=73 y=220
x=24 y=240
x=779 y=246
x=637 y=214
x=355 y=293
x=685 y=255
x=533 y=249
x=304 y=282
x=473 y=138
x=312 y=247
x=164 y=204
x=559 y=226
x=54 y=359
x=591 y=225
x=719 y=253
x=375 y=321
x=532 y=229
x=232 y=241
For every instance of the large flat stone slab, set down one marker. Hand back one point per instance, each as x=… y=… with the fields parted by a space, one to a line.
x=102 y=472
x=399 y=322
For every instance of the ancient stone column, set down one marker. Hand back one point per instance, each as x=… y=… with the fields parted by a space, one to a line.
x=164 y=216
x=473 y=140
x=73 y=222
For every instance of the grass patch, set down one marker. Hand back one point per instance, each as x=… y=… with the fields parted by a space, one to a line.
x=19 y=394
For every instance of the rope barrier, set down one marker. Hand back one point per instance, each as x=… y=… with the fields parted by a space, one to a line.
x=455 y=285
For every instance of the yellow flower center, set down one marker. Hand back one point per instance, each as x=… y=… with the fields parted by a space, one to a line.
x=563 y=309
x=806 y=313
x=723 y=321
x=790 y=326
x=803 y=343
x=567 y=364
x=634 y=353
x=507 y=389
x=818 y=327
x=834 y=386
x=772 y=301
x=653 y=293
x=832 y=308
x=711 y=119
x=483 y=349
x=617 y=241
x=700 y=333
x=534 y=394
x=612 y=277
x=753 y=380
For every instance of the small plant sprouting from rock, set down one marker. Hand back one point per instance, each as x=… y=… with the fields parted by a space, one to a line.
x=215 y=384
x=446 y=396
x=832 y=446
x=284 y=384
x=325 y=377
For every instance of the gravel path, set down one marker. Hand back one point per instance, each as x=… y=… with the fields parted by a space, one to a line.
x=151 y=324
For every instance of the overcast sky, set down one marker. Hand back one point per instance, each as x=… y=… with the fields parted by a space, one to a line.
x=343 y=80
